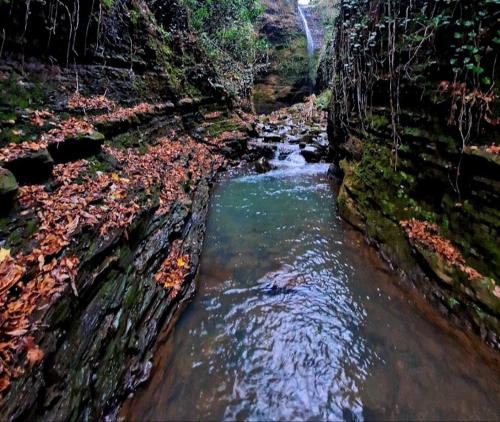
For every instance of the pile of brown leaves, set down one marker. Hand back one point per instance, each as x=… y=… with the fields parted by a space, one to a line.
x=20 y=296
x=166 y=166
x=65 y=129
x=493 y=149
x=13 y=151
x=99 y=102
x=126 y=113
x=105 y=203
x=427 y=234
x=68 y=128
x=173 y=270
x=38 y=117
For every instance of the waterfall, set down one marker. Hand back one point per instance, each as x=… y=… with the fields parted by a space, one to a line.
x=310 y=40
x=310 y=50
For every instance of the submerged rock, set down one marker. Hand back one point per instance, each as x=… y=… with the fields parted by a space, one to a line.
x=286 y=278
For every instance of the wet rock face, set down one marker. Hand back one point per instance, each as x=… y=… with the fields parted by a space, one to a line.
x=109 y=330
x=47 y=33
x=419 y=187
x=376 y=197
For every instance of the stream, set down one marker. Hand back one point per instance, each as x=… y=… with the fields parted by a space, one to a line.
x=296 y=318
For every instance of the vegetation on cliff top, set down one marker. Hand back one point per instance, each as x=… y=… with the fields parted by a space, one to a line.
x=403 y=44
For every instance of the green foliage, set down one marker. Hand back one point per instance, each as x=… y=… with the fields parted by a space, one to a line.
x=107 y=3
x=227 y=26
x=409 y=43
x=323 y=99
x=134 y=17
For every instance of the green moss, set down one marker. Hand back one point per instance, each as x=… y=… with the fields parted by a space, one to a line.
x=30 y=228
x=452 y=302
x=130 y=139
x=379 y=122
x=107 y=3
x=323 y=99
x=16 y=96
x=134 y=17
x=292 y=62
x=414 y=132
x=131 y=296
x=222 y=125
x=95 y=165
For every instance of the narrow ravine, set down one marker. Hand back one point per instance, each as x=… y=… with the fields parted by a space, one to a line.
x=249 y=210
x=296 y=318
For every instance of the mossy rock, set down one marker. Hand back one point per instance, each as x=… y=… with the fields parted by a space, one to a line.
x=32 y=167
x=72 y=149
x=8 y=189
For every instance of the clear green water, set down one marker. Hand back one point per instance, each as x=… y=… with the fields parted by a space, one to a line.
x=296 y=318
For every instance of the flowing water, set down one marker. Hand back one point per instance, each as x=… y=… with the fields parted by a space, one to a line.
x=296 y=318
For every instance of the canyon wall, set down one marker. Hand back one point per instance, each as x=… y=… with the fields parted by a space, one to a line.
x=414 y=134
x=113 y=126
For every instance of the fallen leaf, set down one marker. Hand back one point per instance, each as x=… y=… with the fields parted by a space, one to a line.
x=17 y=333
x=4 y=254
x=35 y=356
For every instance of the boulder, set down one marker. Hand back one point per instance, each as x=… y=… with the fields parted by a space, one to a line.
x=293 y=139
x=258 y=149
x=188 y=103
x=252 y=130
x=262 y=165
x=235 y=148
x=32 y=167
x=113 y=127
x=311 y=154
x=321 y=142
x=272 y=137
x=72 y=149
x=8 y=189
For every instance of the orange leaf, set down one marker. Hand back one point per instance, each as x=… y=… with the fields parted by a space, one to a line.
x=35 y=355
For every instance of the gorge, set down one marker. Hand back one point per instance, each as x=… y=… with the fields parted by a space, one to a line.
x=249 y=209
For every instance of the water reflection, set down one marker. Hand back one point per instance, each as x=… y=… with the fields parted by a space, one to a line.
x=297 y=319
